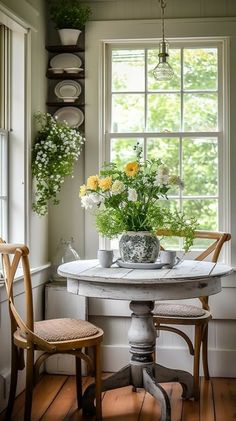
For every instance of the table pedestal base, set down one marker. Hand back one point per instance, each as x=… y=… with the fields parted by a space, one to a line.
x=142 y=371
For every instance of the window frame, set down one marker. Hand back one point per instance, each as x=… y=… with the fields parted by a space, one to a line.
x=4 y=199
x=221 y=134
x=101 y=33
x=16 y=120
x=4 y=128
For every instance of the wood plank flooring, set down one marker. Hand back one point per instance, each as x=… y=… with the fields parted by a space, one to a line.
x=54 y=399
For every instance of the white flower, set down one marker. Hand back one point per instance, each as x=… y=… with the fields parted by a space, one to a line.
x=161 y=179
x=87 y=202
x=163 y=170
x=117 y=187
x=95 y=198
x=132 y=195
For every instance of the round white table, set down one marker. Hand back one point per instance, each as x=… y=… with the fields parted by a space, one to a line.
x=189 y=279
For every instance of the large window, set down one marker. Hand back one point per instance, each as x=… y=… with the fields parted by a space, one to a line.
x=179 y=121
x=14 y=129
x=3 y=185
x=4 y=122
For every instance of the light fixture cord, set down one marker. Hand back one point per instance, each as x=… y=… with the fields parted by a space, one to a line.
x=163 y=5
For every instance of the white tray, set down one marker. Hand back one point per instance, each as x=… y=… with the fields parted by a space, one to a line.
x=129 y=265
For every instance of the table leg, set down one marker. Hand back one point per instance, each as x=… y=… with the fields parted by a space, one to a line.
x=152 y=386
x=167 y=375
x=142 y=371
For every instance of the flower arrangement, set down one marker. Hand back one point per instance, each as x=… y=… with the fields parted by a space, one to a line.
x=128 y=200
x=57 y=146
x=69 y=14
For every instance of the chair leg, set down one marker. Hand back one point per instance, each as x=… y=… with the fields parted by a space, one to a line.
x=197 y=347
x=205 y=352
x=29 y=383
x=98 y=382
x=78 y=382
x=13 y=384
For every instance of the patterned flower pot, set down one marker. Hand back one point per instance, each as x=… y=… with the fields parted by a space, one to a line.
x=139 y=247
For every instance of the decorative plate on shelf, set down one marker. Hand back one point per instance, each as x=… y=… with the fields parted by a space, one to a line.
x=56 y=70
x=66 y=60
x=67 y=89
x=130 y=265
x=72 y=115
x=73 y=70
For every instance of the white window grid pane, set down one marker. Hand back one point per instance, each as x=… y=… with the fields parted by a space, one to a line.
x=3 y=184
x=145 y=135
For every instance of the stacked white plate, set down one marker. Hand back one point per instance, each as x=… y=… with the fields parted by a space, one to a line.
x=67 y=62
x=68 y=90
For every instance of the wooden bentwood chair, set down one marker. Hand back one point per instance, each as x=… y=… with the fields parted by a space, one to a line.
x=56 y=336
x=166 y=314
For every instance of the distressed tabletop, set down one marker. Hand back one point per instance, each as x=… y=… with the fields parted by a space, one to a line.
x=188 y=279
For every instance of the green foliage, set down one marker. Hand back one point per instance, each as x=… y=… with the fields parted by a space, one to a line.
x=109 y=222
x=129 y=199
x=56 y=148
x=177 y=222
x=69 y=14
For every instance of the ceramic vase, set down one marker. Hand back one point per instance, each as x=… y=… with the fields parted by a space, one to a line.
x=139 y=247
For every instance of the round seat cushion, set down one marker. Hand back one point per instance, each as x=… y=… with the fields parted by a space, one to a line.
x=56 y=330
x=177 y=310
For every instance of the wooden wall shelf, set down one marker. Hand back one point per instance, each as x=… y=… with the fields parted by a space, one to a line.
x=64 y=49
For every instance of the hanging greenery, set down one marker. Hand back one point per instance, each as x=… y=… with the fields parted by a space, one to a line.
x=57 y=146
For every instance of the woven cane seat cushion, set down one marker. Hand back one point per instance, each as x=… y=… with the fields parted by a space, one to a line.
x=56 y=330
x=178 y=310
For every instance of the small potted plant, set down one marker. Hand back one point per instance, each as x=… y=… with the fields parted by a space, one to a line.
x=70 y=18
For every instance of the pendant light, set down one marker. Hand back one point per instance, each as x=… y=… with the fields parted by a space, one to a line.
x=163 y=70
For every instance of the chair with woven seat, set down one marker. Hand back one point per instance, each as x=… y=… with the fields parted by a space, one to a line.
x=56 y=336
x=166 y=314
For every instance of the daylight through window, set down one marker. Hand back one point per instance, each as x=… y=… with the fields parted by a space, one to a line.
x=177 y=121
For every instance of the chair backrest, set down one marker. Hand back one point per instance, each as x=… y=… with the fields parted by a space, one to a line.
x=12 y=256
x=218 y=239
x=214 y=249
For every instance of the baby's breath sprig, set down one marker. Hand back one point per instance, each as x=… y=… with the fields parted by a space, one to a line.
x=57 y=146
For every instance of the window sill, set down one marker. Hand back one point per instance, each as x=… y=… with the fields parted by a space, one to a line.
x=39 y=276
x=19 y=272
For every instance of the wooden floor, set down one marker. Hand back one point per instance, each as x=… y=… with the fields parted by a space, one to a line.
x=54 y=399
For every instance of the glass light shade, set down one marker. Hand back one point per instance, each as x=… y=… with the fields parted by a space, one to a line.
x=163 y=71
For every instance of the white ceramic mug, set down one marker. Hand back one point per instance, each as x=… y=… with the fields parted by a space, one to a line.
x=168 y=257
x=105 y=258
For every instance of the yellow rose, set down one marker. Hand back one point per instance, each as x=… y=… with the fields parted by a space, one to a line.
x=105 y=183
x=92 y=182
x=82 y=190
x=131 y=168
